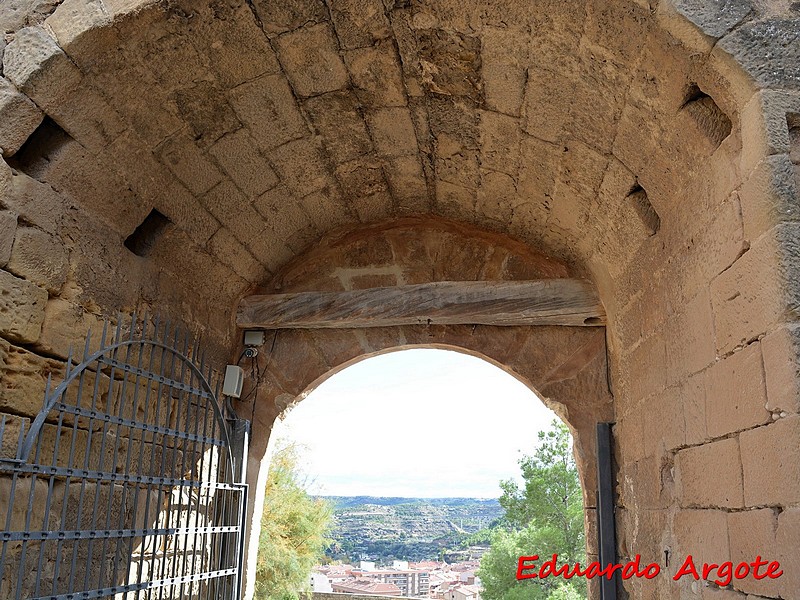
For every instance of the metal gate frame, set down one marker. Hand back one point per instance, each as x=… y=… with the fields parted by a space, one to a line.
x=151 y=392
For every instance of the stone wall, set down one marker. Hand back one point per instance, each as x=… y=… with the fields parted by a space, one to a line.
x=652 y=147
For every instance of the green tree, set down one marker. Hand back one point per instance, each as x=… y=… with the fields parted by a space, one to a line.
x=294 y=530
x=543 y=517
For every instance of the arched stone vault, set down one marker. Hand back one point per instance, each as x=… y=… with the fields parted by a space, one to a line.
x=651 y=147
x=566 y=366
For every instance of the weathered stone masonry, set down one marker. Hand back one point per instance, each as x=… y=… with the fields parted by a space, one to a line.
x=652 y=147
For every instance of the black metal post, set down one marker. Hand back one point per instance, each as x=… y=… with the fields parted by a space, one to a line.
x=606 y=530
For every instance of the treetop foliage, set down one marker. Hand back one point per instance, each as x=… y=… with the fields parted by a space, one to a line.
x=544 y=516
x=294 y=530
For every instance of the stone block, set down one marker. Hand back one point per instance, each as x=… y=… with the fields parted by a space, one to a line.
x=372 y=208
x=752 y=533
x=133 y=158
x=454 y=201
x=407 y=184
x=376 y=75
x=703 y=534
x=542 y=118
x=301 y=166
x=764 y=126
x=648 y=367
x=65 y=328
x=38 y=67
x=736 y=394
x=8 y=227
x=22 y=307
x=282 y=212
x=187 y=162
x=186 y=211
x=713 y=19
x=504 y=65
x=450 y=62
x=694 y=409
x=40 y=258
x=780 y=349
x=496 y=197
x=597 y=97
x=361 y=177
x=268 y=108
x=664 y=427
x=538 y=168
x=757 y=290
x=720 y=243
x=237 y=48
x=230 y=251
x=73 y=18
x=279 y=16
x=337 y=119
x=500 y=142
x=710 y=475
x=771 y=463
x=768 y=50
x=228 y=205
x=359 y=23
x=203 y=106
x=769 y=196
x=393 y=132
x=690 y=338
x=239 y=157
x=20 y=117
x=310 y=57
x=786 y=537
x=457 y=160
x=326 y=210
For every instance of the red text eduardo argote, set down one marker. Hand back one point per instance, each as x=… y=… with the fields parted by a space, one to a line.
x=722 y=574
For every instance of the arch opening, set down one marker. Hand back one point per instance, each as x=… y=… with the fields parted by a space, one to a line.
x=388 y=424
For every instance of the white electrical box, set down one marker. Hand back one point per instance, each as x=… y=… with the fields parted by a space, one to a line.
x=234 y=378
x=253 y=337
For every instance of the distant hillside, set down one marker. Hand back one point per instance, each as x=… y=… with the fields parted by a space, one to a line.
x=384 y=529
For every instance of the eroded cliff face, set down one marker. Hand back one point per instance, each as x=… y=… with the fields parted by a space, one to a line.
x=650 y=147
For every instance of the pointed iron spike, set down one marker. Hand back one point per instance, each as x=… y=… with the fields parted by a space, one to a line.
x=87 y=344
x=144 y=325
x=118 y=333
x=47 y=388
x=68 y=366
x=195 y=349
x=105 y=333
x=133 y=325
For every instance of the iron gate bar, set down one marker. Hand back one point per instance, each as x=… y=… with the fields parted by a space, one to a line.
x=82 y=412
x=137 y=587
x=186 y=482
x=86 y=534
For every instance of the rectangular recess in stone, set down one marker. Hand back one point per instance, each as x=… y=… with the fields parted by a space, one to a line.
x=637 y=198
x=710 y=118
x=37 y=151
x=145 y=236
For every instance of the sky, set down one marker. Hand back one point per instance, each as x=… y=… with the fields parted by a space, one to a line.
x=415 y=423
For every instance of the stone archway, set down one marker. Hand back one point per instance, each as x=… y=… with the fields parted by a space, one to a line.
x=565 y=366
x=652 y=145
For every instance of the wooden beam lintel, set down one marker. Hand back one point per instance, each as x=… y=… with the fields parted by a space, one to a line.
x=569 y=302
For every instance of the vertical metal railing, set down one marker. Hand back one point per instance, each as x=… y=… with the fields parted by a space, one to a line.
x=126 y=484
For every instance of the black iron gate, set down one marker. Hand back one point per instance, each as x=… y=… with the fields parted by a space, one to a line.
x=125 y=484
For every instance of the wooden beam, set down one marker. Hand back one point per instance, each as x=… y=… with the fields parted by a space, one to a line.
x=543 y=302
